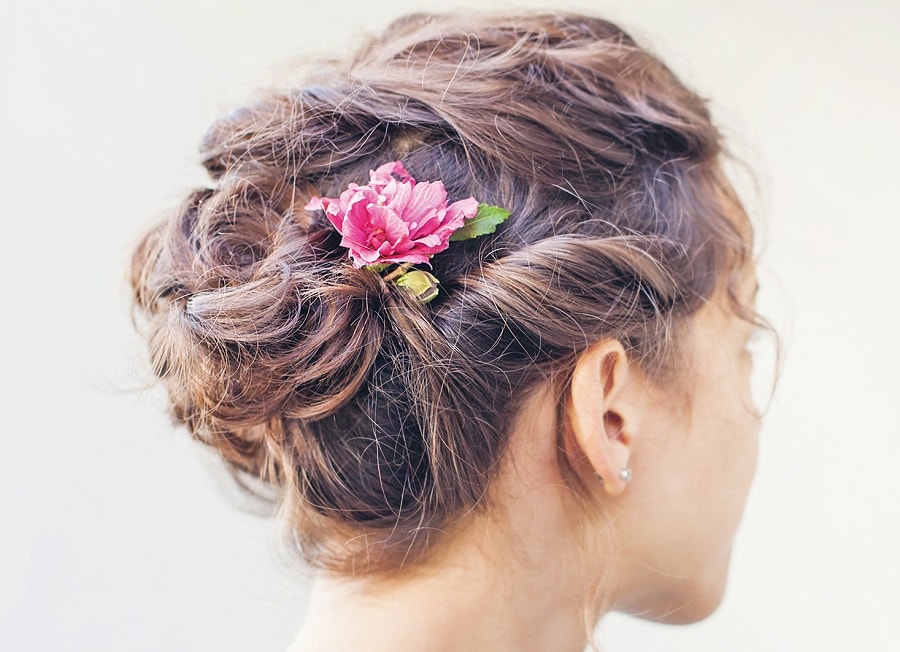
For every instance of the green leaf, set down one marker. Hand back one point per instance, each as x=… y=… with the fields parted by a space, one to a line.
x=377 y=267
x=424 y=285
x=484 y=222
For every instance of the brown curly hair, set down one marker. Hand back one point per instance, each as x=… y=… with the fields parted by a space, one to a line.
x=379 y=421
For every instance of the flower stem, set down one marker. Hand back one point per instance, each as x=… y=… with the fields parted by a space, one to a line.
x=399 y=270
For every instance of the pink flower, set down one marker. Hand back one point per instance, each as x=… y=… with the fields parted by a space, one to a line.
x=393 y=219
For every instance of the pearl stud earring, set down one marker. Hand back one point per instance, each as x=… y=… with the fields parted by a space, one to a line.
x=624 y=475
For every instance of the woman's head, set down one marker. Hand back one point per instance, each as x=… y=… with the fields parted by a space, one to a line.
x=381 y=422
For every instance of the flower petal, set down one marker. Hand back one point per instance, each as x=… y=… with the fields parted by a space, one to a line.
x=416 y=258
x=315 y=204
x=385 y=173
x=394 y=229
x=468 y=207
x=426 y=200
x=397 y=196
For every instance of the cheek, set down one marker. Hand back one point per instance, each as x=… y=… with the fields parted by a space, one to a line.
x=717 y=471
x=714 y=501
x=729 y=423
x=736 y=449
x=743 y=430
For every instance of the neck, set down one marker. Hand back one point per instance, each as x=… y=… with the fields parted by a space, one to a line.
x=467 y=602
x=510 y=578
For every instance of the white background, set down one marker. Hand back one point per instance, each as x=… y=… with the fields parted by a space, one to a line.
x=117 y=533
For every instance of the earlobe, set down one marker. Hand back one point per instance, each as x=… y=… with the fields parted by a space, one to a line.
x=600 y=421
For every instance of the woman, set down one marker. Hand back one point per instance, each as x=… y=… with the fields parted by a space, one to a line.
x=474 y=307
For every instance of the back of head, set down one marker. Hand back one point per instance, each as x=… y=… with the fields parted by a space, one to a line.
x=378 y=420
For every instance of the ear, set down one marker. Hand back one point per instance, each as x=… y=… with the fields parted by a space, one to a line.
x=600 y=418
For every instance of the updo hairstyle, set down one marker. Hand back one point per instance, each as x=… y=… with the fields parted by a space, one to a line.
x=378 y=421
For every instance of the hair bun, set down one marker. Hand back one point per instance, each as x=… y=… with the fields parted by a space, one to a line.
x=248 y=315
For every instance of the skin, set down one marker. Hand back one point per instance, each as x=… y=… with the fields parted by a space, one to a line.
x=519 y=576
x=693 y=454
